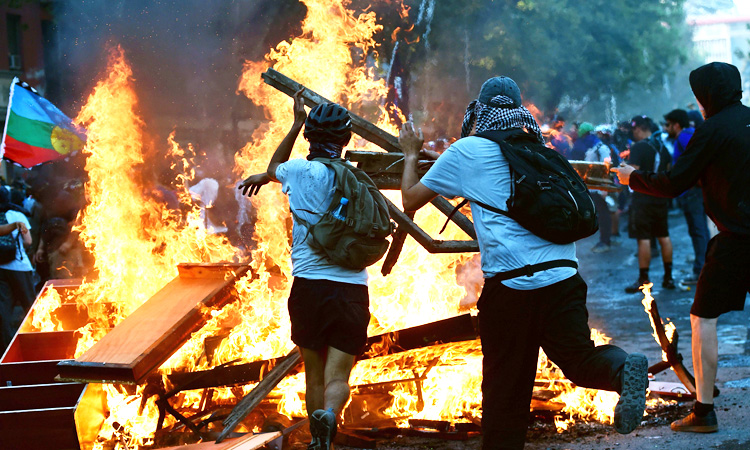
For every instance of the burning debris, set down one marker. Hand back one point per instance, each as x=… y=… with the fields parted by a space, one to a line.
x=422 y=370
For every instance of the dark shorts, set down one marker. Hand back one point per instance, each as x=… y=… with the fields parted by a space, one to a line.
x=328 y=313
x=648 y=221
x=725 y=279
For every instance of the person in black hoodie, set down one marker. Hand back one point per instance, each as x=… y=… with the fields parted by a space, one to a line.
x=717 y=158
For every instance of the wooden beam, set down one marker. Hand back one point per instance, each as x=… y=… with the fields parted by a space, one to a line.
x=394 y=251
x=424 y=239
x=266 y=385
x=453 y=329
x=360 y=126
x=153 y=332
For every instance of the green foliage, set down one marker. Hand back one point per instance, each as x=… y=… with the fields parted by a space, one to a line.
x=554 y=48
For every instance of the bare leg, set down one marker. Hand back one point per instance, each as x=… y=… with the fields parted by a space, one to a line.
x=644 y=253
x=314 y=379
x=338 y=366
x=705 y=357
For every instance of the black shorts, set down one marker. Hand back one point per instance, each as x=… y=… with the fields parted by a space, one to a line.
x=328 y=313
x=648 y=221
x=725 y=279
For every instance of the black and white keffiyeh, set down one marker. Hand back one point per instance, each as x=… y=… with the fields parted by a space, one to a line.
x=499 y=114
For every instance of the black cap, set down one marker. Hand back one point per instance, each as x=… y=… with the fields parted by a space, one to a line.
x=679 y=116
x=641 y=122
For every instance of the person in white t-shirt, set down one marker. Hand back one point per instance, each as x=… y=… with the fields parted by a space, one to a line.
x=328 y=304
x=544 y=306
x=16 y=276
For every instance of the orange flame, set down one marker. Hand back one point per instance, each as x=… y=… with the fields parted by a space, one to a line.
x=137 y=243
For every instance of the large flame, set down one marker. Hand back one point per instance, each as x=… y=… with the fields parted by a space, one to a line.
x=137 y=244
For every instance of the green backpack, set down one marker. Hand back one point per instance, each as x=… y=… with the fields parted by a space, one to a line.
x=359 y=241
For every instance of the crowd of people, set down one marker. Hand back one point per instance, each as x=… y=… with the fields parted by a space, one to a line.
x=39 y=213
x=650 y=145
x=533 y=295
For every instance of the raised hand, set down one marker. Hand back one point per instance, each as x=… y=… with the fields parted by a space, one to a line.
x=251 y=185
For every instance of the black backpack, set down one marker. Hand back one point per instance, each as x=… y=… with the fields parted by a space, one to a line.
x=548 y=197
x=9 y=245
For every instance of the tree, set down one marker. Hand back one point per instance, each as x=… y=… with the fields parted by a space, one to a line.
x=554 y=48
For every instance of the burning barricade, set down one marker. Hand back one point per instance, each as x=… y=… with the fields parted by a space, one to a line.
x=167 y=350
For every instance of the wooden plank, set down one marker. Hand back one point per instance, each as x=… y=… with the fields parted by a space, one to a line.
x=424 y=239
x=153 y=332
x=394 y=250
x=360 y=126
x=28 y=372
x=350 y=438
x=252 y=442
x=52 y=345
x=40 y=429
x=454 y=329
x=247 y=442
x=218 y=376
x=40 y=396
x=266 y=385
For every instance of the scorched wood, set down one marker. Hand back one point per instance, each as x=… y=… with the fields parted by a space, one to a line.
x=360 y=126
x=267 y=384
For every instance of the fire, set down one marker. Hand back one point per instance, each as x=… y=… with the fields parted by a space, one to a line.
x=137 y=244
x=669 y=327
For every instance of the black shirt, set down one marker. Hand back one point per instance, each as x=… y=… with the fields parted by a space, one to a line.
x=644 y=155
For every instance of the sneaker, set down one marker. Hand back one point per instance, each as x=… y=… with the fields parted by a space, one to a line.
x=691 y=280
x=668 y=283
x=636 y=287
x=697 y=424
x=601 y=247
x=323 y=428
x=615 y=240
x=632 y=403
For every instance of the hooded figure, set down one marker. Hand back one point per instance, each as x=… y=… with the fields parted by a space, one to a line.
x=717 y=157
x=716 y=86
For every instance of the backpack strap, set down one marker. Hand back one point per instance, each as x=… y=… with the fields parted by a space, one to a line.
x=464 y=202
x=531 y=269
x=497 y=136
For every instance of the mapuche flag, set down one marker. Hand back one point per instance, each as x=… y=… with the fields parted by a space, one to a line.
x=36 y=131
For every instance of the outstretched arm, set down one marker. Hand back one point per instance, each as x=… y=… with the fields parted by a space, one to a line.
x=414 y=194
x=251 y=185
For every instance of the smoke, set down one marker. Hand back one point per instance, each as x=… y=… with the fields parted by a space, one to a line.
x=186 y=57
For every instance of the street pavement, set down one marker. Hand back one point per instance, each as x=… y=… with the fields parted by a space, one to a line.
x=622 y=317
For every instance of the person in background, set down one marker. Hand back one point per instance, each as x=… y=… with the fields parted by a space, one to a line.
x=599 y=152
x=717 y=157
x=16 y=275
x=648 y=214
x=691 y=201
x=586 y=140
